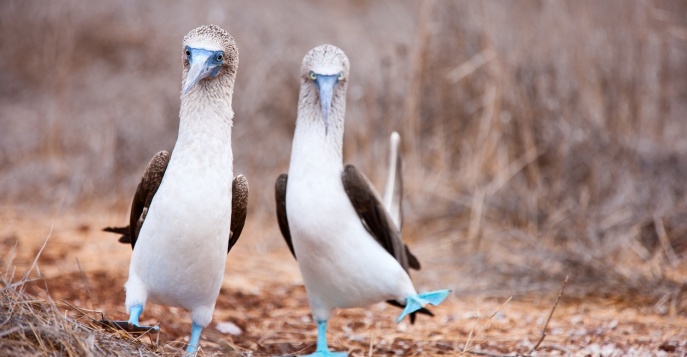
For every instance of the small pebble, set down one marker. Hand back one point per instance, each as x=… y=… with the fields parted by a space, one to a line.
x=228 y=328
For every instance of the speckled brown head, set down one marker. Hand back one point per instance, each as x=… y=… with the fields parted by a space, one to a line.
x=208 y=53
x=325 y=60
x=324 y=75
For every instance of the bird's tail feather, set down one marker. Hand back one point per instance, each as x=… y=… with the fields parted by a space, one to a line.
x=118 y=230
x=124 y=231
x=393 y=194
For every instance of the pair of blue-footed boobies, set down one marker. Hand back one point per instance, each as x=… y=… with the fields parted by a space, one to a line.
x=187 y=213
x=346 y=241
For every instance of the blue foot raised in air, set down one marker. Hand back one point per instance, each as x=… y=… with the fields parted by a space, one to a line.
x=416 y=302
x=195 y=339
x=322 y=348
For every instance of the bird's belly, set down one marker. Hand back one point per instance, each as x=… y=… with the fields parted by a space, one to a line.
x=356 y=277
x=181 y=251
x=342 y=265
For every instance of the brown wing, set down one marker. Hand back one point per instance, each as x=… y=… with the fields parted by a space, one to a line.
x=280 y=198
x=378 y=222
x=150 y=182
x=239 y=208
x=375 y=217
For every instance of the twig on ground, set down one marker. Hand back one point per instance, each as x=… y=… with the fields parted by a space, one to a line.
x=84 y=312
x=35 y=260
x=467 y=343
x=543 y=330
x=667 y=248
x=499 y=309
x=541 y=339
x=10 y=260
x=479 y=353
x=372 y=338
x=85 y=283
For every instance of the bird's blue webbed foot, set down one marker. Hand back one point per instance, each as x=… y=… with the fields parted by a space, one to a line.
x=322 y=348
x=416 y=302
x=132 y=326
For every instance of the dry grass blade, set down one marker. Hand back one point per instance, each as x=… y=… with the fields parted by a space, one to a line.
x=35 y=260
x=548 y=319
x=473 y=64
x=488 y=354
x=667 y=248
x=467 y=348
x=85 y=283
x=372 y=338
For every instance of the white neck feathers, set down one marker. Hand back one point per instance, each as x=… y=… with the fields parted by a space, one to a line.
x=311 y=138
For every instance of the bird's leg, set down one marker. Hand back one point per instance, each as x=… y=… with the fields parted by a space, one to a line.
x=416 y=302
x=195 y=338
x=322 y=337
x=322 y=348
x=132 y=325
x=136 y=311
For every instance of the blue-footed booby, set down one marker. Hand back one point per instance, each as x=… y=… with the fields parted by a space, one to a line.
x=187 y=213
x=347 y=244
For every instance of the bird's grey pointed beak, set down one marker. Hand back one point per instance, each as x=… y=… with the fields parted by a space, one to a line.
x=326 y=85
x=202 y=66
x=195 y=74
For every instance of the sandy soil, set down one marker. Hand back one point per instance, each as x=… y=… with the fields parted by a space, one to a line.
x=263 y=309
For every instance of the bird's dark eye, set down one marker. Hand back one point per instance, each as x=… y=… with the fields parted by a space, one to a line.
x=188 y=53
x=220 y=57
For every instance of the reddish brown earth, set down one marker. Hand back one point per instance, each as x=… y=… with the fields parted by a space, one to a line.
x=83 y=270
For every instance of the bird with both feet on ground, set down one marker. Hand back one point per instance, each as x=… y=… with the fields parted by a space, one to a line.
x=187 y=213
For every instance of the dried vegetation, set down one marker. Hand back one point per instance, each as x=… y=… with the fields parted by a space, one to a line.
x=31 y=323
x=541 y=139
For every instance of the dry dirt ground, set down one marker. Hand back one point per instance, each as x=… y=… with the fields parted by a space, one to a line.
x=83 y=270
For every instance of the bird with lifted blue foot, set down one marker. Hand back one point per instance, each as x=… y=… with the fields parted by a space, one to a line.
x=187 y=212
x=346 y=240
